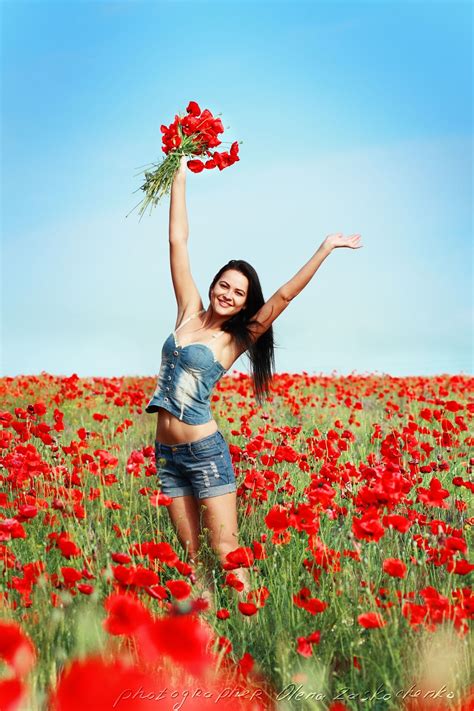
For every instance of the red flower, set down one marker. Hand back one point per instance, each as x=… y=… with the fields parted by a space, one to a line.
x=161 y=499
x=143 y=577
x=232 y=580
x=259 y=551
x=16 y=648
x=12 y=692
x=246 y=664
x=435 y=495
x=415 y=614
x=184 y=638
x=193 y=108
x=278 y=518
x=122 y=574
x=96 y=684
x=223 y=614
x=126 y=614
x=157 y=592
x=371 y=619
x=196 y=166
x=312 y=605
x=85 y=589
x=225 y=644
x=121 y=558
x=247 y=608
x=67 y=547
x=179 y=589
x=459 y=567
x=71 y=575
x=26 y=512
x=394 y=567
x=368 y=527
x=399 y=523
x=303 y=647
x=40 y=407
x=239 y=557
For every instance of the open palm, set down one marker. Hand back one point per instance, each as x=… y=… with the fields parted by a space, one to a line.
x=337 y=239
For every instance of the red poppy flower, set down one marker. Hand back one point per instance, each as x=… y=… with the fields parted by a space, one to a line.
x=278 y=518
x=370 y=620
x=368 y=527
x=303 y=647
x=121 y=558
x=16 y=648
x=179 y=589
x=96 y=684
x=196 y=165
x=394 y=567
x=12 y=693
x=239 y=557
x=247 y=608
x=193 y=108
x=71 y=575
x=435 y=495
x=126 y=614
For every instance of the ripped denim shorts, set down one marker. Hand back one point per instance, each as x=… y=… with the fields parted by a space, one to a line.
x=202 y=468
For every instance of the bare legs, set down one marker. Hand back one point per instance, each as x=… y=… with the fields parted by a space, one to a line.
x=184 y=515
x=219 y=516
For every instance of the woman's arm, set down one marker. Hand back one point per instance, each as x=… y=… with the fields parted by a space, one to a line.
x=178 y=222
x=281 y=298
x=185 y=289
x=293 y=287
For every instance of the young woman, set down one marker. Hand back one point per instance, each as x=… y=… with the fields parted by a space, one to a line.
x=193 y=460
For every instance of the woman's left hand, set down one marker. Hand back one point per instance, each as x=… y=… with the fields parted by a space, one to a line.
x=337 y=239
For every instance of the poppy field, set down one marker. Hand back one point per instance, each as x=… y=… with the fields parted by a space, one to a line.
x=353 y=500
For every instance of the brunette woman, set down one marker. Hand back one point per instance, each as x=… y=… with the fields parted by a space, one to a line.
x=193 y=459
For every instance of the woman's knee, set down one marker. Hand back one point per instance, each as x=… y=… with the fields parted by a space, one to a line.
x=225 y=545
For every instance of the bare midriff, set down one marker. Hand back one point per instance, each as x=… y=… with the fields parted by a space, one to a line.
x=171 y=430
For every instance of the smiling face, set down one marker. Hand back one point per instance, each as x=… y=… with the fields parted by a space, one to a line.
x=229 y=294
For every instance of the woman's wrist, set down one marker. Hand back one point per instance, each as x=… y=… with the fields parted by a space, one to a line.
x=179 y=182
x=179 y=177
x=325 y=249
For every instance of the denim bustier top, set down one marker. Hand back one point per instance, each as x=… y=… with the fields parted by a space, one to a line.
x=186 y=379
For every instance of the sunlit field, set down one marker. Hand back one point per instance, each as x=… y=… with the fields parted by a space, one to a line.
x=353 y=501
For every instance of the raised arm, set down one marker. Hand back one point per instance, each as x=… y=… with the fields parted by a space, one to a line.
x=185 y=289
x=272 y=308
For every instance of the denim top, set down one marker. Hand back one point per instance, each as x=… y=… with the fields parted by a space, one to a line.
x=186 y=379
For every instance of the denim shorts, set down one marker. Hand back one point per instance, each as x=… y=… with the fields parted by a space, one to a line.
x=202 y=468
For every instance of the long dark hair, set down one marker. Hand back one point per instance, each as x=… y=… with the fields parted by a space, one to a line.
x=261 y=352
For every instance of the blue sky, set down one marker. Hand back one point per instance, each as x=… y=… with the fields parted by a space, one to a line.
x=354 y=117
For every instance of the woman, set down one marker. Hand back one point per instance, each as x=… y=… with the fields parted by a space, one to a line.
x=193 y=459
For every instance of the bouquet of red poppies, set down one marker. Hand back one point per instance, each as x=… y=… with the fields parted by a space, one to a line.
x=192 y=134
